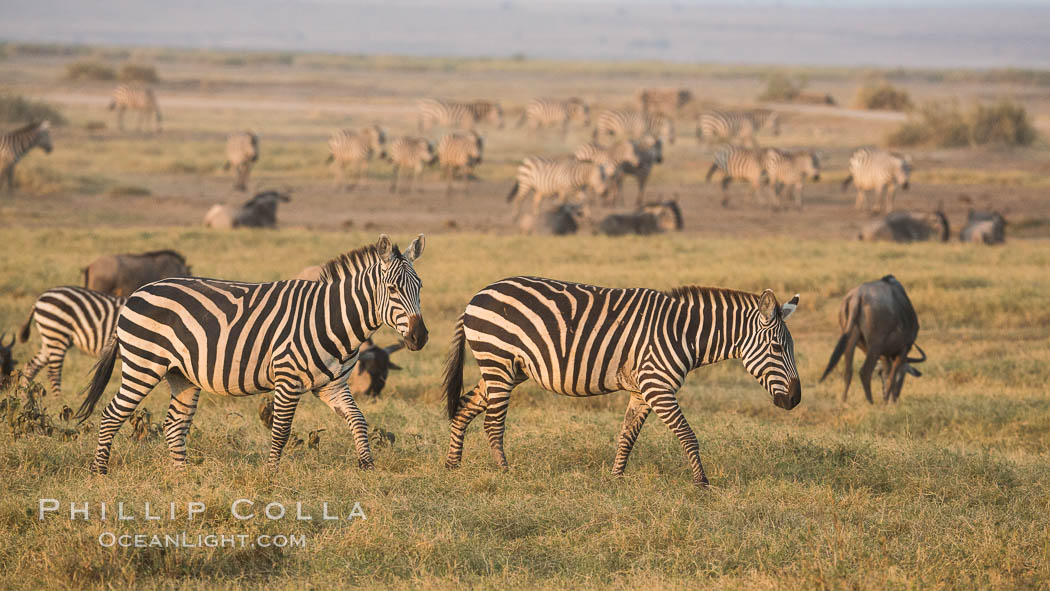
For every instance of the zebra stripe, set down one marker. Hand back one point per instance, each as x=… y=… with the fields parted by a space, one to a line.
x=458 y=115
x=558 y=177
x=240 y=339
x=137 y=98
x=66 y=317
x=543 y=112
x=664 y=101
x=788 y=171
x=242 y=151
x=458 y=154
x=730 y=125
x=872 y=169
x=582 y=340
x=408 y=152
x=349 y=147
x=16 y=144
x=739 y=162
x=633 y=124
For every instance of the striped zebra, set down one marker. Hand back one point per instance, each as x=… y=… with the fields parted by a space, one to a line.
x=633 y=125
x=872 y=169
x=664 y=101
x=14 y=145
x=66 y=317
x=408 y=152
x=139 y=99
x=725 y=126
x=559 y=177
x=356 y=148
x=458 y=154
x=544 y=112
x=240 y=339
x=616 y=158
x=740 y=162
x=242 y=152
x=582 y=340
x=458 y=115
x=788 y=171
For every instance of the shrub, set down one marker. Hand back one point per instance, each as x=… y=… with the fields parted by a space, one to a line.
x=937 y=125
x=883 y=97
x=1004 y=124
x=138 y=73
x=87 y=70
x=943 y=126
x=17 y=109
x=781 y=88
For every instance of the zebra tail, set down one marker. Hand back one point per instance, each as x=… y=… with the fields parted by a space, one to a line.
x=99 y=380
x=23 y=336
x=454 y=370
x=846 y=183
x=513 y=192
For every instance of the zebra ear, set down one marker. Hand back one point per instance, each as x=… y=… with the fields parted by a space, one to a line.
x=789 y=307
x=384 y=247
x=416 y=248
x=767 y=306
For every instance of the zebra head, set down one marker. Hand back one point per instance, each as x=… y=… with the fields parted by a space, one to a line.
x=811 y=166
x=579 y=111
x=376 y=139
x=902 y=170
x=769 y=353
x=398 y=302
x=43 y=135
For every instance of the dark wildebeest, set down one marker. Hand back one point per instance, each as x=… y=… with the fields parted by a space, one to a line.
x=120 y=274
x=565 y=219
x=986 y=227
x=651 y=218
x=879 y=318
x=907 y=226
x=7 y=360
x=373 y=366
x=258 y=212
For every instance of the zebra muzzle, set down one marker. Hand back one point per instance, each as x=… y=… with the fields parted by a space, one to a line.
x=793 y=396
x=417 y=335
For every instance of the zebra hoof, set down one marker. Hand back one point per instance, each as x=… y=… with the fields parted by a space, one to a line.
x=366 y=465
x=702 y=483
x=100 y=469
x=451 y=465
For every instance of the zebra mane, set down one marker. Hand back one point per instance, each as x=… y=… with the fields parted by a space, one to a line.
x=344 y=264
x=688 y=292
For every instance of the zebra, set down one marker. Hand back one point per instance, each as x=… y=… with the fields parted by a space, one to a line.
x=739 y=162
x=458 y=154
x=616 y=158
x=349 y=147
x=664 y=101
x=241 y=339
x=410 y=152
x=650 y=152
x=66 y=317
x=789 y=171
x=14 y=145
x=583 y=340
x=543 y=112
x=242 y=152
x=731 y=125
x=560 y=177
x=634 y=124
x=136 y=98
x=459 y=115
x=872 y=169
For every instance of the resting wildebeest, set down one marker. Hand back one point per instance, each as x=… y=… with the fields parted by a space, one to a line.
x=373 y=366
x=986 y=227
x=651 y=218
x=559 y=221
x=258 y=212
x=120 y=274
x=7 y=359
x=907 y=226
x=879 y=318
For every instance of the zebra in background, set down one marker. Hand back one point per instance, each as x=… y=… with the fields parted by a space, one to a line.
x=616 y=158
x=458 y=154
x=356 y=148
x=67 y=317
x=725 y=126
x=542 y=113
x=788 y=171
x=650 y=153
x=410 y=152
x=137 y=98
x=14 y=145
x=241 y=339
x=558 y=177
x=242 y=152
x=458 y=115
x=740 y=162
x=872 y=169
x=633 y=124
x=582 y=340
x=664 y=101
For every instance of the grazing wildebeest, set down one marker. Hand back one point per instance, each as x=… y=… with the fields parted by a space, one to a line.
x=120 y=274
x=7 y=359
x=258 y=212
x=907 y=226
x=373 y=366
x=987 y=227
x=878 y=317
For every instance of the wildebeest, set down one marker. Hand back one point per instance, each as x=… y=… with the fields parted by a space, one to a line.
x=258 y=212
x=878 y=317
x=560 y=221
x=7 y=359
x=987 y=227
x=373 y=366
x=907 y=226
x=120 y=274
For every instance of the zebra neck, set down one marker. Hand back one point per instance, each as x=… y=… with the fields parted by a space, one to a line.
x=357 y=300
x=25 y=142
x=718 y=325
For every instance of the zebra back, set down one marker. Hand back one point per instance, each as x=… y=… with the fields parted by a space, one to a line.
x=76 y=315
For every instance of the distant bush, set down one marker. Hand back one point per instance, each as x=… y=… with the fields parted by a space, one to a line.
x=945 y=126
x=19 y=110
x=138 y=73
x=88 y=70
x=883 y=97
x=781 y=88
x=1005 y=124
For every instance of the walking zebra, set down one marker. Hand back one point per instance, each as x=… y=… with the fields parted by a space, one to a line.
x=542 y=112
x=872 y=169
x=664 y=101
x=242 y=151
x=459 y=115
x=558 y=177
x=739 y=162
x=616 y=158
x=789 y=171
x=67 y=317
x=137 y=98
x=458 y=154
x=241 y=339
x=633 y=124
x=16 y=144
x=736 y=125
x=349 y=147
x=582 y=340
x=410 y=152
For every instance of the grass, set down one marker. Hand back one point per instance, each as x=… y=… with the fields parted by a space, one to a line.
x=946 y=489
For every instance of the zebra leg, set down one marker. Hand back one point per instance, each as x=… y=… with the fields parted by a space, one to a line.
x=362 y=174
x=8 y=176
x=725 y=189
x=135 y=384
x=861 y=199
x=633 y=420
x=284 y=403
x=54 y=368
x=642 y=177
x=666 y=406
x=891 y=192
x=29 y=372
x=472 y=402
x=396 y=172
x=183 y=405
x=120 y=118
x=342 y=402
x=498 y=394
